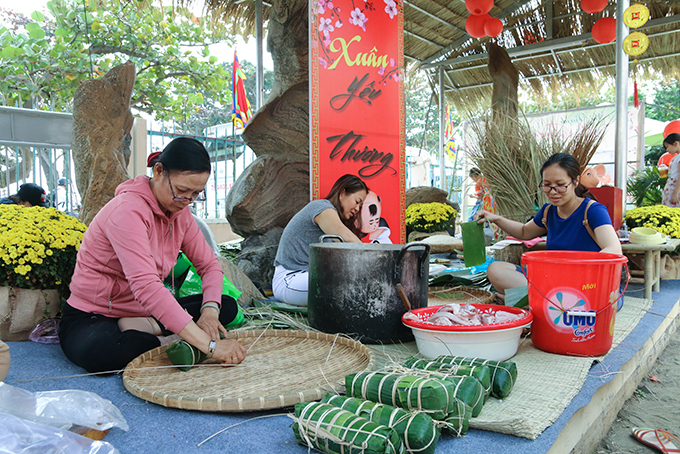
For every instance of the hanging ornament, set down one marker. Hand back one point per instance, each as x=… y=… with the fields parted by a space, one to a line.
x=593 y=6
x=636 y=15
x=672 y=127
x=474 y=25
x=478 y=7
x=604 y=30
x=493 y=27
x=635 y=44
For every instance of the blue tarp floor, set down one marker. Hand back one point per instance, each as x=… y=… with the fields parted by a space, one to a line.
x=156 y=429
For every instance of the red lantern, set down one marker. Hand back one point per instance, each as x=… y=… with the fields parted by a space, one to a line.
x=474 y=25
x=672 y=127
x=493 y=27
x=604 y=30
x=593 y=6
x=479 y=7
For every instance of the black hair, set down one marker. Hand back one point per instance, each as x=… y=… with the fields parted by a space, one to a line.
x=184 y=154
x=671 y=138
x=474 y=172
x=570 y=165
x=350 y=184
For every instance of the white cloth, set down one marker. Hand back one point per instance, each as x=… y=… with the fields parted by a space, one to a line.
x=291 y=287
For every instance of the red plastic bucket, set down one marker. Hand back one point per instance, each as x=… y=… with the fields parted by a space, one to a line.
x=573 y=295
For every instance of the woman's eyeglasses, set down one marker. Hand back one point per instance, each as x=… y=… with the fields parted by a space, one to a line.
x=199 y=198
x=559 y=188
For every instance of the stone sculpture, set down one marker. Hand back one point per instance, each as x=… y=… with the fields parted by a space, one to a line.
x=276 y=185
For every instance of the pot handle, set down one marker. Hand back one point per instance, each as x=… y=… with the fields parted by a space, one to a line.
x=322 y=238
x=421 y=259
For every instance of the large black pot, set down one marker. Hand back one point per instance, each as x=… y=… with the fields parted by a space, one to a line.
x=353 y=288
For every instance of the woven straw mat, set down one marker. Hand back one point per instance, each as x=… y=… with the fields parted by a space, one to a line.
x=282 y=368
x=459 y=295
x=546 y=382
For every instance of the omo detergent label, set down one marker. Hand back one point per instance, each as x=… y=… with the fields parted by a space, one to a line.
x=569 y=312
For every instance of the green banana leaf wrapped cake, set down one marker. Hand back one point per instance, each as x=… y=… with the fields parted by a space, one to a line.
x=417 y=430
x=333 y=430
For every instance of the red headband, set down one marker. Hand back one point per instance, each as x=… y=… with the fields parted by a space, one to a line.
x=151 y=160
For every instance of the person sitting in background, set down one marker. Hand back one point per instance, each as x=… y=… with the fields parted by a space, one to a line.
x=671 y=190
x=29 y=195
x=334 y=215
x=563 y=220
x=69 y=205
x=476 y=176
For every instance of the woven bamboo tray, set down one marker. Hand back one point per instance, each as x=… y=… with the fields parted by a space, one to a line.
x=458 y=295
x=283 y=367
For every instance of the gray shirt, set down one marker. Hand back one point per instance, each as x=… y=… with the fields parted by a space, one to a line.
x=301 y=231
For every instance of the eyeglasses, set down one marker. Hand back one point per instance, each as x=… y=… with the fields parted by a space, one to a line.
x=199 y=198
x=560 y=188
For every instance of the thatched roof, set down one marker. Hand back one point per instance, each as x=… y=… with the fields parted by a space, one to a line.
x=551 y=55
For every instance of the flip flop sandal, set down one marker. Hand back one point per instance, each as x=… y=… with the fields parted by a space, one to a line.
x=659 y=439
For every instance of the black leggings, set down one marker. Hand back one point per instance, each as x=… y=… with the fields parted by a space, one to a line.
x=95 y=343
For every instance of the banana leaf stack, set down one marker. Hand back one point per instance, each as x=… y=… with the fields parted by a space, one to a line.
x=333 y=430
x=430 y=395
x=481 y=373
x=503 y=373
x=418 y=431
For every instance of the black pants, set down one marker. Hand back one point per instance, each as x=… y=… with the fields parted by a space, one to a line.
x=95 y=343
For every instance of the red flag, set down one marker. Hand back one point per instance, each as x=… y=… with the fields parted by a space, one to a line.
x=240 y=113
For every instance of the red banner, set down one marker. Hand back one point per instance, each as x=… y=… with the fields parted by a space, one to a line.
x=357 y=104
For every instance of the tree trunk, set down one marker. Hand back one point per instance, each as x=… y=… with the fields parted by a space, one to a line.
x=101 y=137
x=505 y=81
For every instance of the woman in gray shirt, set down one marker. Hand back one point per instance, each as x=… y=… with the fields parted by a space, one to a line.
x=334 y=215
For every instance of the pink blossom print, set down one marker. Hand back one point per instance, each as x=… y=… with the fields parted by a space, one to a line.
x=358 y=18
x=391 y=8
x=325 y=26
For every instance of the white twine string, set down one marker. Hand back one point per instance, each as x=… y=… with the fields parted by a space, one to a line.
x=239 y=423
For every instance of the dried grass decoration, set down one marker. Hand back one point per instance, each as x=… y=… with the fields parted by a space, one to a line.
x=506 y=140
x=282 y=368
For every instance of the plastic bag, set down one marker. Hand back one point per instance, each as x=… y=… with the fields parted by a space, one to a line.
x=46 y=332
x=18 y=436
x=61 y=409
x=188 y=282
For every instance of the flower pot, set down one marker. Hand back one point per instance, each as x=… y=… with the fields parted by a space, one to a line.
x=21 y=309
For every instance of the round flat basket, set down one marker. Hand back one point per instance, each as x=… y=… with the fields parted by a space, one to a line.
x=283 y=367
x=458 y=295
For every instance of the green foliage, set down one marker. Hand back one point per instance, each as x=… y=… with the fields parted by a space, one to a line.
x=422 y=115
x=667 y=98
x=44 y=59
x=645 y=187
x=653 y=153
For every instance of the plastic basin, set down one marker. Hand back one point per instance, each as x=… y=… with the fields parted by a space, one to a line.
x=497 y=342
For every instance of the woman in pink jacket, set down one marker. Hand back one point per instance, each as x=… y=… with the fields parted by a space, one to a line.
x=118 y=305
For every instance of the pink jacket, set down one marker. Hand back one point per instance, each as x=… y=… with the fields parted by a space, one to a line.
x=127 y=251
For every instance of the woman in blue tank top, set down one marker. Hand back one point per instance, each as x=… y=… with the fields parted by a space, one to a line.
x=565 y=227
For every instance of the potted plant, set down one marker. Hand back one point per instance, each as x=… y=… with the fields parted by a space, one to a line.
x=38 y=248
x=429 y=217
